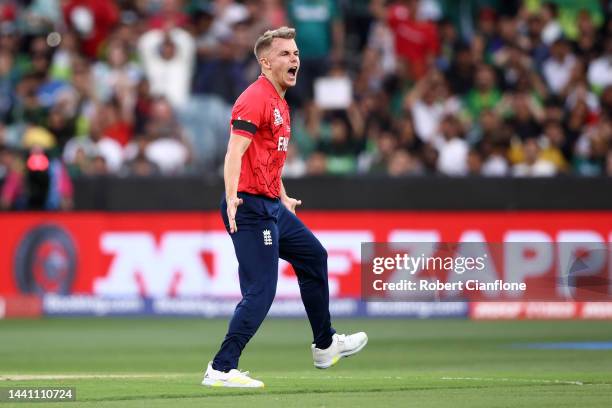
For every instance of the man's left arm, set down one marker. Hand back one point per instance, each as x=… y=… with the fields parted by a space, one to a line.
x=287 y=201
x=337 y=33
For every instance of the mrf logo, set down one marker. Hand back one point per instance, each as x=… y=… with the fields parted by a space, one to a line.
x=173 y=264
x=45 y=261
x=171 y=267
x=283 y=144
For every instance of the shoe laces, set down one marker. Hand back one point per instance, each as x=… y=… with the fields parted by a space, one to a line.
x=240 y=373
x=341 y=338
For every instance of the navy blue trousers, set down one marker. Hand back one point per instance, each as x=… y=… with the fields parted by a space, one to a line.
x=267 y=231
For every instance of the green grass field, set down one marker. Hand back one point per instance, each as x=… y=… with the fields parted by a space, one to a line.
x=435 y=363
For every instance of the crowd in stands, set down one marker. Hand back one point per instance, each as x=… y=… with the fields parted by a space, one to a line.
x=396 y=88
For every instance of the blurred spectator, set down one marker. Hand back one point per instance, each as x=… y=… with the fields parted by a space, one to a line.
x=306 y=128
x=402 y=163
x=232 y=65
x=552 y=29
x=95 y=145
x=6 y=157
x=494 y=145
x=320 y=36
x=168 y=58
x=12 y=195
x=609 y=163
x=205 y=40
x=555 y=147
x=168 y=147
x=140 y=166
x=533 y=165
x=117 y=75
x=474 y=163
x=9 y=78
x=381 y=45
x=416 y=41
x=430 y=159
x=357 y=20
x=65 y=56
x=38 y=137
x=533 y=45
x=377 y=160
x=496 y=164
x=116 y=121
x=41 y=16
x=460 y=74
x=585 y=45
x=342 y=148
x=524 y=115
x=605 y=103
x=600 y=69
x=295 y=166
x=61 y=125
x=78 y=162
x=169 y=14
x=452 y=148
x=274 y=12
x=227 y=13
x=37 y=183
x=316 y=164
x=99 y=166
x=591 y=149
x=406 y=135
x=485 y=94
x=558 y=68
x=449 y=44
x=428 y=102
x=142 y=105
x=93 y=20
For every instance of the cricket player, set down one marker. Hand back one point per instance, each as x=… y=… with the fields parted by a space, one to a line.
x=260 y=218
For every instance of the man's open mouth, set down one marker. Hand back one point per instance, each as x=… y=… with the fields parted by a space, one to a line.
x=292 y=72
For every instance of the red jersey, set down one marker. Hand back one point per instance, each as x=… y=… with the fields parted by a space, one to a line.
x=104 y=16
x=414 y=40
x=263 y=116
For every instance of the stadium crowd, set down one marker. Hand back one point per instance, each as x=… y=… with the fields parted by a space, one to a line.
x=402 y=88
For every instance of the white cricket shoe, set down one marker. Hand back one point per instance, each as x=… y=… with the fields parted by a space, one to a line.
x=234 y=378
x=342 y=346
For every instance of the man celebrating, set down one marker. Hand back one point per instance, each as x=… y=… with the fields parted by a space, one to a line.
x=261 y=220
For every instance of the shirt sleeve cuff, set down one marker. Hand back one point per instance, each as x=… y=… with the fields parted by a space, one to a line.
x=241 y=132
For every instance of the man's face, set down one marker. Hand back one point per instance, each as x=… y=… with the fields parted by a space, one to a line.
x=284 y=62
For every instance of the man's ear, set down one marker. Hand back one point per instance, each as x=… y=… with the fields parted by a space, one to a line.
x=265 y=63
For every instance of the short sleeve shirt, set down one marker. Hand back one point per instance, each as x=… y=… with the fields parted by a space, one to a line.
x=263 y=116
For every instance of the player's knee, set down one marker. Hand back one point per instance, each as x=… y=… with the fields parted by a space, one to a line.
x=321 y=255
x=267 y=295
x=261 y=294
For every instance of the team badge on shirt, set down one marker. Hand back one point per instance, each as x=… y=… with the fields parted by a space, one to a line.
x=267 y=236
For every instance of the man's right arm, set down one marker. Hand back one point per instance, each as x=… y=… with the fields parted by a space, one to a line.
x=231 y=174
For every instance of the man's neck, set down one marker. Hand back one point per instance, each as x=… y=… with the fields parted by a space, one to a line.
x=279 y=89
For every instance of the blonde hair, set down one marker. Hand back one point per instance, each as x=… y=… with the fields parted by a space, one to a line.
x=265 y=40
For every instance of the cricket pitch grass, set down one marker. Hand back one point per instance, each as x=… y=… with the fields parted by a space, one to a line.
x=407 y=363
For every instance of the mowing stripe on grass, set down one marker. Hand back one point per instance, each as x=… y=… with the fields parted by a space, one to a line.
x=33 y=377
x=570 y=345
x=530 y=380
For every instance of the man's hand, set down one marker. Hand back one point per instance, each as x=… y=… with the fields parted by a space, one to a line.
x=291 y=203
x=232 y=207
